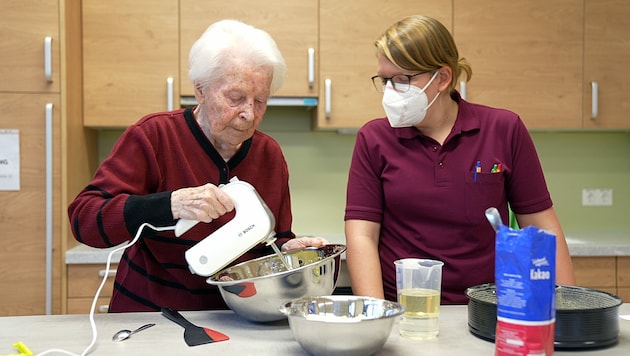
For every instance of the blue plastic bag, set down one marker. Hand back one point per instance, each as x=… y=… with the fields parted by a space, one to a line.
x=525 y=276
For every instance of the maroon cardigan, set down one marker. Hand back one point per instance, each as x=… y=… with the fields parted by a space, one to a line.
x=162 y=153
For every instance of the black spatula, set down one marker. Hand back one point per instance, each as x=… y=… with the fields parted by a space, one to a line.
x=194 y=335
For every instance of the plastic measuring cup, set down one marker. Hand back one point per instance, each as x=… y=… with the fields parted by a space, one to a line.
x=418 y=284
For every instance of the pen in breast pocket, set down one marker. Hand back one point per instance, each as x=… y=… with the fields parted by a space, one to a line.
x=496 y=168
x=477 y=170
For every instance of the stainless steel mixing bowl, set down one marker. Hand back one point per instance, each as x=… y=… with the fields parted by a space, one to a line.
x=255 y=289
x=341 y=324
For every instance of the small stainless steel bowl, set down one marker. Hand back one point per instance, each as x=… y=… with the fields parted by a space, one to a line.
x=255 y=289
x=341 y=324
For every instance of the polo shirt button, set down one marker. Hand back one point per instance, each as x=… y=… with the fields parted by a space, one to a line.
x=435 y=148
x=441 y=165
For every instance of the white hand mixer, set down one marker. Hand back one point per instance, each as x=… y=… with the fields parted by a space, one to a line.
x=252 y=224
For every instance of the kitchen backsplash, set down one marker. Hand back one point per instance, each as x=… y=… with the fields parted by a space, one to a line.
x=593 y=160
x=319 y=160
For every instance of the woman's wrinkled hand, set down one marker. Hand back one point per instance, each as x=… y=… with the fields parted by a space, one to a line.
x=203 y=203
x=305 y=241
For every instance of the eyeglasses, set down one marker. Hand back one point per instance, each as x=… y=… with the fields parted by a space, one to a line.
x=400 y=82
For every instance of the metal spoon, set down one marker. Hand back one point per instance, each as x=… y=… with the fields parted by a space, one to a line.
x=125 y=334
x=493 y=216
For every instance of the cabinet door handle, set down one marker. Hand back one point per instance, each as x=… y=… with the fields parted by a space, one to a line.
x=311 y=67
x=111 y=273
x=328 y=96
x=48 y=58
x=49 y=206
x=462 y=89
x=594 y=100
x=169 y=94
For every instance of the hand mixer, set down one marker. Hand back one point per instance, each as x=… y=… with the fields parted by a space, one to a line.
x=252 y=224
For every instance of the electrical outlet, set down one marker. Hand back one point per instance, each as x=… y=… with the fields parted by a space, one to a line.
x=597 y=197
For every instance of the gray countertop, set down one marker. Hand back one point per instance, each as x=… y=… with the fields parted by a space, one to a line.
x=83 y=254
x=598 y=243
x=581 y=243
x=73 y=333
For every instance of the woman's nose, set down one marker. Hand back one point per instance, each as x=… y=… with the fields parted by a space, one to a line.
x=246 y=110
x=247 y=114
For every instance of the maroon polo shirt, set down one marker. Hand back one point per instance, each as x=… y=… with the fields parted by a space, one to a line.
x=429 y=200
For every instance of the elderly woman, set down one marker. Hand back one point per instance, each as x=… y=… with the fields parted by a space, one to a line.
x=168 y=166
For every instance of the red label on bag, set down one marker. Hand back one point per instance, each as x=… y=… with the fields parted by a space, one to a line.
x=519 y=339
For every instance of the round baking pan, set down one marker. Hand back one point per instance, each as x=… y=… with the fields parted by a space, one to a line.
x=585 y=318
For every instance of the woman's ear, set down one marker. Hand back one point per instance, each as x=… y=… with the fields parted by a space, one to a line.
x=444 y=78
x=199 y=93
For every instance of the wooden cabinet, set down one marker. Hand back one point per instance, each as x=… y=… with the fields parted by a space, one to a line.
x=23 y=213
x=130 y=60
x=83 y=282
x=623 y=278
x=292 y=24
x=597 y=272
x=606 y=53
x=536 y=61
x=29 y=49
x=525 y=57
x=561 y=66
x=30 y=102
x=140 y=65
x=607 y=273
x=347 y=32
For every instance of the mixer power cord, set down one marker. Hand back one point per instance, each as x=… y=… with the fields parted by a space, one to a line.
x=89 y=348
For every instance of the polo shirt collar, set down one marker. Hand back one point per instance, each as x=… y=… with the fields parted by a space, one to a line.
x=464 y=122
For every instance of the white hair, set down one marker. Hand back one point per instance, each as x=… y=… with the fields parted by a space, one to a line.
x=227 y=39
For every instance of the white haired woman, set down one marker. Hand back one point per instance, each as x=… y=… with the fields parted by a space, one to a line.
x=168 y=166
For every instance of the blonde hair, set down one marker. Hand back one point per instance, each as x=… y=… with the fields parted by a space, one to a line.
x=422 y=44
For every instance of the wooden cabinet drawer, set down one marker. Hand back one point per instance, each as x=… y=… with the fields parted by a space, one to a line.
x=624 y=293
x=597 y=272
x=84 y=279
x=623 y=272
x=83 y=305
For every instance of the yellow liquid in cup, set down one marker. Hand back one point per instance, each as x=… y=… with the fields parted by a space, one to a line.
x=422 y=310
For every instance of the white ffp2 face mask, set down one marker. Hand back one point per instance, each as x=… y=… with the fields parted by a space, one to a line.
x=408 y=108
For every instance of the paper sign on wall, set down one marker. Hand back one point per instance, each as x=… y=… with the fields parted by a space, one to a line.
x=9 y=159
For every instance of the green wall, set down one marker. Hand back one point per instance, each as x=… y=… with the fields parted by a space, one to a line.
x=576 y=160
x=318 y=163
